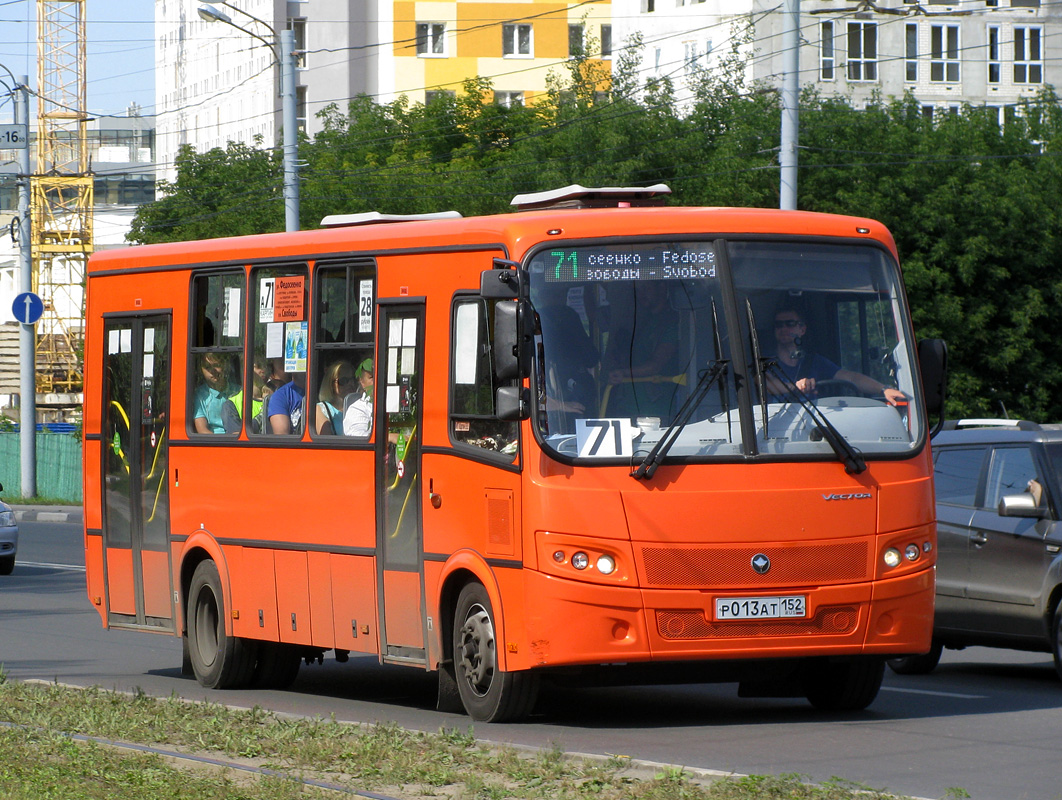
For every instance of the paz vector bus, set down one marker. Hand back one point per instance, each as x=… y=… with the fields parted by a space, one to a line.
x=600 y=439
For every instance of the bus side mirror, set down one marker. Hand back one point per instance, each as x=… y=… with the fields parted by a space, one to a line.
x=513 y=403
x=512 y=344
x=499 y=284
x=933 y=364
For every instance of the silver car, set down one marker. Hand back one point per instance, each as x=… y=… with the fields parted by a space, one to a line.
x=999 y=539
x=8 y=537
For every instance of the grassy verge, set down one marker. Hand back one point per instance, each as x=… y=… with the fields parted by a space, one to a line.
x=12 y=500
x=43 y=755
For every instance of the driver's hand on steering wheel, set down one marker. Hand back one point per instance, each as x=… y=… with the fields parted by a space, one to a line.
x=806 y=385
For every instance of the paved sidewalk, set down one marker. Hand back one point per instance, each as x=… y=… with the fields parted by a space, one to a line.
x=47 y=513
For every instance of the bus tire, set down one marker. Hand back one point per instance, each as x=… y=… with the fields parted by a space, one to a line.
x=917 y=665
x=277 y=666
x=848 y=685
x=219 y=661
x=487 y=693
x=7 y=565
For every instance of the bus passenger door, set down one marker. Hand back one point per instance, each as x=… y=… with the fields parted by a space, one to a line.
x=399 y=533
x=135 y=472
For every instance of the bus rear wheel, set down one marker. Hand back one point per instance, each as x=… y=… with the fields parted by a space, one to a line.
x=219 y=661
x=849 y=685
x=487 y=693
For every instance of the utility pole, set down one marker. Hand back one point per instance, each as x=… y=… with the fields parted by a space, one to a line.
x=27 y=384
x=787 y=154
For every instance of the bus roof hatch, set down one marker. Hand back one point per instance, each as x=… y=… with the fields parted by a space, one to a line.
x=375 y=217
x=576 y=196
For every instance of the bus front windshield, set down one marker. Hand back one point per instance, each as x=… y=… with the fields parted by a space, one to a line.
x=643 y=346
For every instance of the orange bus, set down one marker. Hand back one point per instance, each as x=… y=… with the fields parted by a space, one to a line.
x=597 y=440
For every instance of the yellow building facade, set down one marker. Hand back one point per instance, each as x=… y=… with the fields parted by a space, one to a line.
x=516 y=45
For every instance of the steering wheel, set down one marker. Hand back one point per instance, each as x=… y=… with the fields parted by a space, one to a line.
x=837 y=387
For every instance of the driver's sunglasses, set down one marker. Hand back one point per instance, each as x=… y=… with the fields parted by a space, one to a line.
x=787 y=323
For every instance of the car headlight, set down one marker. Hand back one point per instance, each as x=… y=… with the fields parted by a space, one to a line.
x=7 y=519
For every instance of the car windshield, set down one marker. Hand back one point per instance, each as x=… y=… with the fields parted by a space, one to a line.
x=642 y=341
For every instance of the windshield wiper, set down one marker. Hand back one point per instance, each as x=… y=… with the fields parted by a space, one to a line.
x=715 y=371
x=850 y=456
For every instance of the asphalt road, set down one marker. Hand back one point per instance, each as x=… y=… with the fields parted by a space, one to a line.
x=986 y=721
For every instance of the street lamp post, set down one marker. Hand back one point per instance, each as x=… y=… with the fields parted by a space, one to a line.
x=283 y=49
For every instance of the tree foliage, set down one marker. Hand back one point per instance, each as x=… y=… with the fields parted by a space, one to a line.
x=975 y=206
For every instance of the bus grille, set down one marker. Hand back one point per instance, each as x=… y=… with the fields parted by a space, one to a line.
x=714 y=568
x=693 y=625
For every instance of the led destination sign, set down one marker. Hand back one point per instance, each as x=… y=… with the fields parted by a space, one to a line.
x=644 y=262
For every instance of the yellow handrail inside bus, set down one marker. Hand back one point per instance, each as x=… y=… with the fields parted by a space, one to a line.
x=679 y=380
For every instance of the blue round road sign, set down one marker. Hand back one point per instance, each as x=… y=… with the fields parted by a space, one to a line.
x=27 y=308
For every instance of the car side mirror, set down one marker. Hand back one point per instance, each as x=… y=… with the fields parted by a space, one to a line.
x=1020 y=505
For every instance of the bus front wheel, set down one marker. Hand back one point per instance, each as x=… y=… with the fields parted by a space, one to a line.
x=219 y=661
x=487 y=693
x=849 y=685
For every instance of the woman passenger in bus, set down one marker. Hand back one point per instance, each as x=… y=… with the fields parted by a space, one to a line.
x=212 y=393
x=337 y=383
x=357 y=416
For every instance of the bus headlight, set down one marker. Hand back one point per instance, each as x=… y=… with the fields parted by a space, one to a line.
x=912 y=552
x=892 y=557
x=606 y=565
x=580 y=560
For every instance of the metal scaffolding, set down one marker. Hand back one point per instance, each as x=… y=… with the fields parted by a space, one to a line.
x=61 y=195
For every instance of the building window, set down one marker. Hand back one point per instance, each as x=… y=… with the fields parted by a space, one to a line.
x=944 y=53
x=298 y=29
x=300 y=108
x=826 y=58
x=517 y=40
x=575 y=41
x=992 y=3
x=606 y=41
x=1028 y=57
x=689 y=56
x=995 y=68
x=862 y=51
x=509 y=99
x=910 y=52
x=648 y=6
x=438 y=94
x=431 y=39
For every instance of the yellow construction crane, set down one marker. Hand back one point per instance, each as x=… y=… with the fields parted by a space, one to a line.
x=61 y=195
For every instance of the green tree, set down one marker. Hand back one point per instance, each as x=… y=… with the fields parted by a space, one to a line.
x=228 y=192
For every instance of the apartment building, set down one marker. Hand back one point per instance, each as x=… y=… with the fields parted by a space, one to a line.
x=217 y=82
x=991 y=52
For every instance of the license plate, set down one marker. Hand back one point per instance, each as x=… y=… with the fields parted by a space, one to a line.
x=760 y=607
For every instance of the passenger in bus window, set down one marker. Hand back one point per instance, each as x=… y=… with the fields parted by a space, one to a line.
x=805 y=369
x=337 y=383
x=232 y=411
x=287 y=406
x=641 y=361
x=357 y=416
x=215 y=386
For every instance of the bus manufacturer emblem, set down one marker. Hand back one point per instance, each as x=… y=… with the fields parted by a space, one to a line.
x=761 y=563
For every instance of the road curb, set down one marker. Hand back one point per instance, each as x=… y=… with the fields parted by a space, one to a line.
x=46 y=514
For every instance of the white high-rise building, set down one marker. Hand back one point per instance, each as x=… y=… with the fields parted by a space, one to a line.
x=984 y=52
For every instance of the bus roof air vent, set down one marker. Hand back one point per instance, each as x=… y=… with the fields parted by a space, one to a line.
x=576 y=196
x=375 y=217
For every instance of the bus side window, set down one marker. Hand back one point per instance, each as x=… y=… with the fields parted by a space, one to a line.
x=473 y=418
x=343 y=374
x=280 y=344
x=216 y=353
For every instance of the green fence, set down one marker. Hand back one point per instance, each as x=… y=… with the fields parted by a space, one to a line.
x=58 y=467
